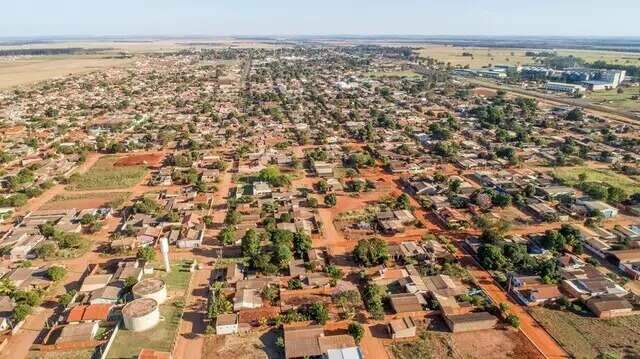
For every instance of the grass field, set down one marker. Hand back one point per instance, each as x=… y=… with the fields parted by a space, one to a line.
x=128 y=344
x=570 y=175
x=483 y=56
x=87 y=200
x=586 y=337
x=612 y=98
x=400 y=74
x=104 y=175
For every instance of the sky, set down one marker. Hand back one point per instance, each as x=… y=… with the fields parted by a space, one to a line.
x=27 y=18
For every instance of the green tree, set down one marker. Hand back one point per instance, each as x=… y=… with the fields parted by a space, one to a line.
x=356 y=331
x=370 y=252
x=20 y=312
x=301 y=244
x=250 y=244
x=330 y=200
x=227 y=236
x=319 y=313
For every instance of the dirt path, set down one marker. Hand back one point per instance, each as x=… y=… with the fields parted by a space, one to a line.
x=529 y=327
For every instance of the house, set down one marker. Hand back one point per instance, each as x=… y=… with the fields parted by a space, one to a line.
x=226 y=324
x=81 y=332
x=108 y=294
x=606 y=210
x=609 y=306
x=310 y=342
x=443 y=285
x=323 y=169
x=406 y=302
x=247 y=298
x=261 y=189
x=29 y=278
x=470 y=322
x=628 y=261
x=191 y=238
x=94 y=282
x=531 y=290
x=402 y=328
x=233 y=273
x=24 y=247
x=89 y=313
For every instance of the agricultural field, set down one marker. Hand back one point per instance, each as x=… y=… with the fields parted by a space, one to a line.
x=588 y=337
x=612 y=98
x=128 y=344
x=105 y=175
x=570 y=176
x=86 y=201
x=483 y=56
x=29 y=70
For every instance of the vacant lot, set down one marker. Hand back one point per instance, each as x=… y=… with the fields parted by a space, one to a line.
x=480 y=344
x=613 y=99
x=570 y=175
x=86 y=201
x=29 y=70
x=150 y=159
x=587 y=337
x=104 y=175
x=251 y=345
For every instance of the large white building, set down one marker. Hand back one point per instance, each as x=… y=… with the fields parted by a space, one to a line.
x=563 y=87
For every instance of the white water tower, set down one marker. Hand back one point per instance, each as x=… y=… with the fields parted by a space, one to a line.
x=164 y=249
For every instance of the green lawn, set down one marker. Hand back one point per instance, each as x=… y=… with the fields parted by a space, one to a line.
x=570 y=175
x=128 y=344
x=104 y=175
x=612 y=98
x=588 y=337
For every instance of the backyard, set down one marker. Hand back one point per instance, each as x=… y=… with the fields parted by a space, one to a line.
x=104 y=175
x=589 y=337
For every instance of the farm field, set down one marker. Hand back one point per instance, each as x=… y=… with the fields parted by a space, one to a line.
x=588 y=337
x=85 y=201
x=29 y=70
x=483 y=56
x=612 y=98
x=570 y=175
x=105 y=175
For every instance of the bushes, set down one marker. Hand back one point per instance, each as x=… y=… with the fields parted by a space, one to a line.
x=56 y=273
x=373 y=298
x=356 y=331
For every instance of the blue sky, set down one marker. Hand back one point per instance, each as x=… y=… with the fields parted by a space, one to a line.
x=319 y=17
